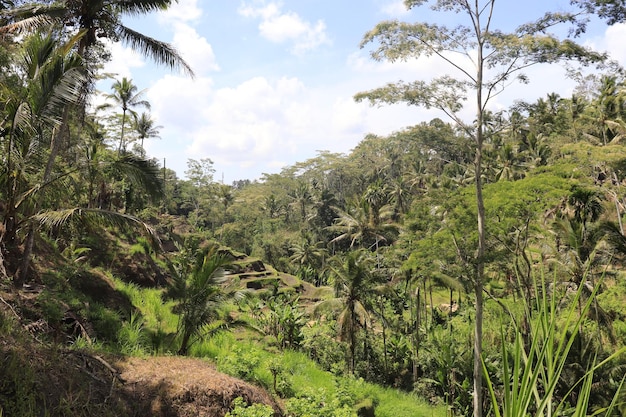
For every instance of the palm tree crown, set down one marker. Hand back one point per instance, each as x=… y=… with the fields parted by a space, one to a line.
x=145 y=128
x=97 y=19
x=125 y=95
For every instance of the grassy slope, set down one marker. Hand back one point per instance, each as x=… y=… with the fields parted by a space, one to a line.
x=67 y=377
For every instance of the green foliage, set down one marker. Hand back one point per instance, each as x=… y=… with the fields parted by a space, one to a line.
x=532 y=368
x=281 y=382
x=18 y=388
x=284 y=320
x=241 y=363
x=241 y=409
x=195 y=288
x=132 y=338
x=106 y=323
x=447 y=366
x=318 y=403
x=320 y=343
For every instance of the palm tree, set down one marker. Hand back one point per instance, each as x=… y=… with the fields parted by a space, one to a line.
x=96 y=20
x=125 y=95
x=585 y=205
x=272 y=206
x=377 y=197
x=225 y=195
x=359 y=225
x=51 y=80
x=400 y=196
x=302 y=198
x=308 y=255
x=352 y=281
x=196 y=287
x=145 y=128
x=577 y=240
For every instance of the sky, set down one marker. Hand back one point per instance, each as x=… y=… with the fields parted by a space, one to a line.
x=274 y=80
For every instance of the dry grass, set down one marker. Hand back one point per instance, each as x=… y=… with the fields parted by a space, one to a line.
x=185 y=387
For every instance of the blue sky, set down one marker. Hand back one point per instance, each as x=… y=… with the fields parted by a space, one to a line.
x=275 y=79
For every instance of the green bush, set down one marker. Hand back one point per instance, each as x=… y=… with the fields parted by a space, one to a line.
x=240 y=363
x=320 y=343
x=319 y=403
x=241 y=409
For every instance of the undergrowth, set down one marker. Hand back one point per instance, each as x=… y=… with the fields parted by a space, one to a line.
x=307 y=389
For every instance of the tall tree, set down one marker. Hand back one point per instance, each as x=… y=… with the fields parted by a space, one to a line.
x=145 y=128
x=51 y=78
x=352 y=281
x=126 y=96
x=485 y=60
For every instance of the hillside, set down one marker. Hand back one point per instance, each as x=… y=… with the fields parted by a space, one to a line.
x=77 y=382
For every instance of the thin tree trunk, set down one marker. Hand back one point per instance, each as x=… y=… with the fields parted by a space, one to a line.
x=417 y=334
x=29 y=245
x=382 y=321
x=119 y=149
x=480 y=264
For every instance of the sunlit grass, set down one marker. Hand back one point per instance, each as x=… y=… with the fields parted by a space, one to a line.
x=303 y=375
x=158 y=323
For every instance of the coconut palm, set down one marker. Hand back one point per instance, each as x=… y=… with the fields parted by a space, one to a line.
x=272 y=206
x=301 y=199
x=359 y=225
x=145 y=129
x=352 y=281
x=51 y=79
x=308 y=255
x=95 y=20
x=126 y=96
x=225 y=195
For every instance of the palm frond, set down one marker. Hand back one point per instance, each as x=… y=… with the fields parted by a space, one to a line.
x=160 y=52
x=95 y=217
x=141 y=7
x=141 y=172
x=32 y=17
x=328 y=307
x=614 y=236
x=28 y=25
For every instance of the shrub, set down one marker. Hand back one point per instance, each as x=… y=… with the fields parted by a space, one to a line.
x=241 y=409
x=240 y=363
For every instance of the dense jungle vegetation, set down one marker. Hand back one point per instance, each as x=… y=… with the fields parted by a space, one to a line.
x=347 y=284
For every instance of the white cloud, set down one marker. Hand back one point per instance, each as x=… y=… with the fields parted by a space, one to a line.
x=286 y=27
x=181 y=11
x=194 y=49
x=261 y=124
x=123 y=60
x=394 y=8
x=349 y=116
x=613 y=42
x=177 y=102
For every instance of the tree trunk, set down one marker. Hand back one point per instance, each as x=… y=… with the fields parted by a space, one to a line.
x=119 y=149
x=480 y=253
x=22 y=272
x=29 y=245
x=382 y=322
x=184 y=344
x=417 y=335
